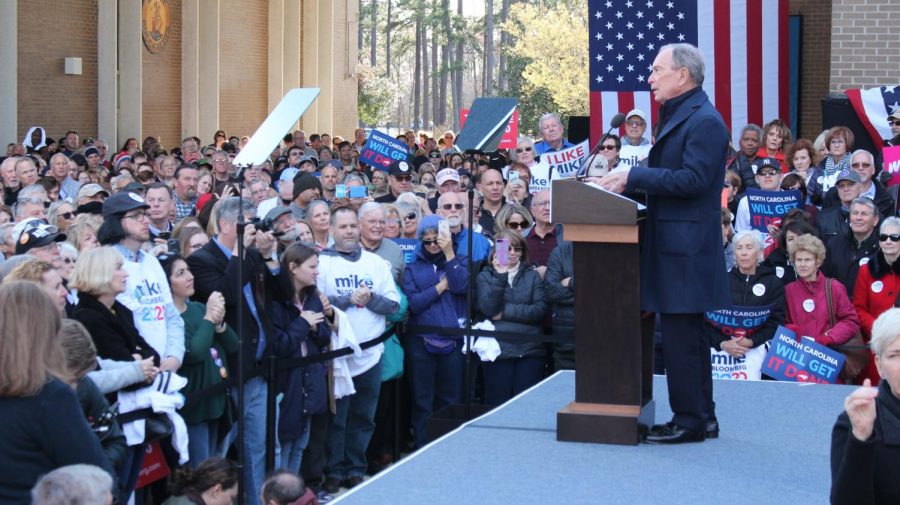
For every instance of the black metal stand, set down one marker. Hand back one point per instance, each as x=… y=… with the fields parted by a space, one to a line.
x=470 y=288
x=239 y=420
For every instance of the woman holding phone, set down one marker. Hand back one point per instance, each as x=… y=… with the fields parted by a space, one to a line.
x=433 y=283
x=511 y=294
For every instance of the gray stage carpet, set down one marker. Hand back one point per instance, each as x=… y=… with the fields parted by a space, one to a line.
x=774 y=448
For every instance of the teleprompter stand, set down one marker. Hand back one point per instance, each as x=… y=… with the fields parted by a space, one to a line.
x=613 y=344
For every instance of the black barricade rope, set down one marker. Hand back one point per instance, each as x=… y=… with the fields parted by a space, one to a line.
x=289 y=363
x=451 y=332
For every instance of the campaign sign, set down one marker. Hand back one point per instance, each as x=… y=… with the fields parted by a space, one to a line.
x=801 y=361
x=408 y=246
x=564 y=164
x=892 y=164
x=768 y=207
x=381 y=149
x=510 y=139
x=738 y=322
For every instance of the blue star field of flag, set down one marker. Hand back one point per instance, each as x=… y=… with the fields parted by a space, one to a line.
x=625 y=37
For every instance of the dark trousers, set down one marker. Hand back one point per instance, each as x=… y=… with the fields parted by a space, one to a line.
x=505 y=378
x=435 y=381
x=688 y=372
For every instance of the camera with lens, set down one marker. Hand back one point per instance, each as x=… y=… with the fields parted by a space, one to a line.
x=261 y=224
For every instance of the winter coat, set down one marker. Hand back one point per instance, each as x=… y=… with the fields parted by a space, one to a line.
x=844 y=258
x=426 y=306
x=745 y=293
x=521 y=306
x=561 y=297
x=112 y=330
x=875 y=292
x=801 y=295
x=305 y=388
x=780 y=263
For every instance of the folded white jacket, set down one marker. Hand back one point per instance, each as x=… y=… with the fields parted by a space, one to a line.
x=487 y=348
x=163 y=397
x=344 y=336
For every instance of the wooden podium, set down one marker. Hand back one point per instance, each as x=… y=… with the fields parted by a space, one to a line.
x=613 y=345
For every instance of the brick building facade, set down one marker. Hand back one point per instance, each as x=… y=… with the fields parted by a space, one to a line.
x=225 y=65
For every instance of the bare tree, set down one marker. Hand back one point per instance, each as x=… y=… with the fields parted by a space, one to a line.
x=434 y=78
x=387 y=37
x=426 y=110
x=458 y=81
x=447 y=62
x=373 y=34
x=502 y=83
x=417 y=81
x=489 y=48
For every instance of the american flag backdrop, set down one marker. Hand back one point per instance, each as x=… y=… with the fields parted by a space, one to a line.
x=873 y=106
x=744 y=43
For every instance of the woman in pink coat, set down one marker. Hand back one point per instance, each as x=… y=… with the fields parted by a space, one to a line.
x=807 y=308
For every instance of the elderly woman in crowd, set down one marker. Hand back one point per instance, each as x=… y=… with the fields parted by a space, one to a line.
x=430 y=283
x=878 y=286
x=795 y=223
x=512 y=297
x=319 y=215
x=525 y=153
x=410 y=214
x=865 y=441
x=379 y=180
x=392 y=222
x=776 y=138
x=207 y=341
x=62 y=214
x=752 y=285
x=839 y=142
x=83 y=232
x=807 y=298
x=610 y=145
x=41 y=273
x=41 y=423
x=513 y=217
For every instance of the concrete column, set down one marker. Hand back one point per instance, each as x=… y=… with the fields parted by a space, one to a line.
x=327 y=66
x=9 y=85
x=291 y=53
x=190 y=63
x=276 y=53
x=208 y=70
x=310 y=70
x=131 y=46
x=107 y=63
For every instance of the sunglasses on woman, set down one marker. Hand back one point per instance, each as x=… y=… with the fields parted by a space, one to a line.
x=893 y=237
x=516 y=225
x=523 y=149
x=410 y=217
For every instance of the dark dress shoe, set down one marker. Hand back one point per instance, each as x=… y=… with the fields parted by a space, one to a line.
x=712 y=428
x=331 y=485
x=352 y=482
x=674 y=434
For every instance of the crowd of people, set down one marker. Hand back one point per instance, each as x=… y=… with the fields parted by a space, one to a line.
x=122 y=286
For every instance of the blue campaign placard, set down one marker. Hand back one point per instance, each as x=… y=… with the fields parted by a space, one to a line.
x=801 y=361
x=381 y=149
x=408 y=246
x=768 y=207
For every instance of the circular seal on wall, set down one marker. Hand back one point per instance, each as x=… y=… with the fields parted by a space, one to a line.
x=155 y=24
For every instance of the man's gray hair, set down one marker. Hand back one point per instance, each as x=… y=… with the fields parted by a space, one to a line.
x=867 y=153
x=687 y=56
x=354 y=177
x=227 y=209
x=33 y=191
x=547 y=116
x=865 y=200
x=368 y=207
x=73 y=484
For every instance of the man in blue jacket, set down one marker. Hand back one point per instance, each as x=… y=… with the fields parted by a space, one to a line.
x=682 y=263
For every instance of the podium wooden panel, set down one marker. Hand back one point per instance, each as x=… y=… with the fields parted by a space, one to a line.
x=613 y=345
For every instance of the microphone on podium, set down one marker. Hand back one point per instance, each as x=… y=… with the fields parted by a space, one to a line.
x=595 y=165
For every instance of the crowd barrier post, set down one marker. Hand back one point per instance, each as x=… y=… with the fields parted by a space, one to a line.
x=271 y=427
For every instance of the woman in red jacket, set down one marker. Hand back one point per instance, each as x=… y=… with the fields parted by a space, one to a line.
x=877 y=286
x=807 y=308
